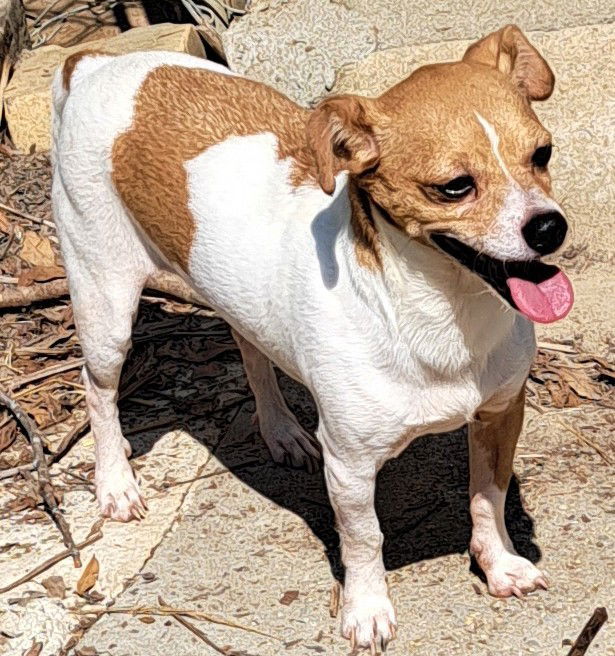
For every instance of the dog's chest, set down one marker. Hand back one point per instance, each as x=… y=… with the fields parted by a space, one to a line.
x=411 y=398
x=450 y=352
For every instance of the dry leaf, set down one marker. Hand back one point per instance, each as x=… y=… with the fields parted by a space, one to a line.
x=55 y=587
x=289 y=596
x=5 y=226
x=53 y=314
x=34 y=650
x=86 y=651
x=37 y=250
x=580 y=383
x=94 y=597
x=89 y=577
x=22 y=503
x=40 y=274
x=8 y=433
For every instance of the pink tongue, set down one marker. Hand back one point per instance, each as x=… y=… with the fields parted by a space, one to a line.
x=544 y=302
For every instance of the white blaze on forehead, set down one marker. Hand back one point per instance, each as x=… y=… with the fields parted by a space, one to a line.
x=504 y=239
x=494 y=139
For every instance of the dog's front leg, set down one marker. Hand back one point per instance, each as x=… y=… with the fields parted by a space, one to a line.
x=368 y=618
x=492 y=440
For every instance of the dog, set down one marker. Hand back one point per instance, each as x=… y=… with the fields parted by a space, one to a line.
x=385 y=252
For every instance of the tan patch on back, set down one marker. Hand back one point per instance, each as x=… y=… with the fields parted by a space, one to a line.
x=179 y=113
x=70 y=63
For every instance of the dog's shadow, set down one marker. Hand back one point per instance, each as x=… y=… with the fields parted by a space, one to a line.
x=422 y=496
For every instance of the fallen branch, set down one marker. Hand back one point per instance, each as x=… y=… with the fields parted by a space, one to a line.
x=44 y=481
x=51 y=562
x=162 y=282
x=44 y=291
x=594 y=624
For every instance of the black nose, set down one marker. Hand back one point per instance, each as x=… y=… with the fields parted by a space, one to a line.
x=545 y=233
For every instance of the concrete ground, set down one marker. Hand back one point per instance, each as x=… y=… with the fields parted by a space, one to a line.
x=250 y=543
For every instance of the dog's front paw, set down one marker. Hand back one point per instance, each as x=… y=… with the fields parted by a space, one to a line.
x=118 y=493
x=512 y=575
x=368 y=621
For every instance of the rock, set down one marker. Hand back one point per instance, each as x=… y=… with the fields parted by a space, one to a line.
x=299 y=46
x=28 y=96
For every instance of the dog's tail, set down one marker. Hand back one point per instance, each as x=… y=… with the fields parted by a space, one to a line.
x=76 y=67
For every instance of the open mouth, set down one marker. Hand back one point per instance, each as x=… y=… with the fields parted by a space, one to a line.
x=539 y=291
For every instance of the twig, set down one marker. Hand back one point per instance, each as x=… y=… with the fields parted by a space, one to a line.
x=594 y=624
x=165 y=610
x=23 y=215
x=44 y=481
x=4 y=78
x=47 y=9
x=47 y=372
x=67 y=442
x=586 y=440
x=13 y=471
x=70 y=438
x=334 y=600
x=199 y=634
x=554 y=346
x=51 y=562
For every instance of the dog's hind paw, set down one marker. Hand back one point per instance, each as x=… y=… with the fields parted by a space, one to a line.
x=118 y=494
x=511 y=575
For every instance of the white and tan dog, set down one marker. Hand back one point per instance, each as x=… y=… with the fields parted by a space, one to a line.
x=384 y=252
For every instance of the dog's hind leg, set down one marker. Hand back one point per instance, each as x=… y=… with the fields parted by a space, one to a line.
x=492 y=439
x=287 y=441
x=107 y=267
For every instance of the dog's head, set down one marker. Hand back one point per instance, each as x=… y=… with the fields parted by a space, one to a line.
x=455 y=157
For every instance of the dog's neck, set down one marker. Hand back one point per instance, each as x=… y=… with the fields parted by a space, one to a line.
x=428 y=299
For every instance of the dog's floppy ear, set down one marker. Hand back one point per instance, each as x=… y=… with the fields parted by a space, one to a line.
x=510 y=52
x=341 y=138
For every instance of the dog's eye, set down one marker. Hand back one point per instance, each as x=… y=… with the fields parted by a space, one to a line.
x=457 y=188
x=541 y=156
